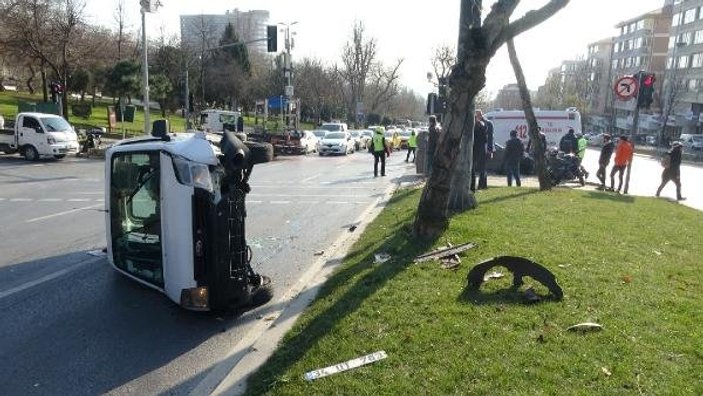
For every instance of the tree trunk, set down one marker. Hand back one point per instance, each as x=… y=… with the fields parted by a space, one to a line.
x=477 y=45
x=461 y=198
x=45 y=89
x=540 y=163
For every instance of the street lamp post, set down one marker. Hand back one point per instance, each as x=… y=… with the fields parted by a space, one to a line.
x=287 y=68
x=147 y=6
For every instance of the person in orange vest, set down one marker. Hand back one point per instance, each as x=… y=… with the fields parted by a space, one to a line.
x=623 y=156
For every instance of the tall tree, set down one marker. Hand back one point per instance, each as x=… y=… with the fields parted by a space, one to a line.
x=358 y=56
x=478 y=43
x=540 y=161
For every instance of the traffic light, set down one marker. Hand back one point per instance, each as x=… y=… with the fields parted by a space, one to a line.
x=272 y=38
x=645 y=96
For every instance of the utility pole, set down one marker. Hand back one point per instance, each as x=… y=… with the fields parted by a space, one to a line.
x=288 y=69
x=147 y=6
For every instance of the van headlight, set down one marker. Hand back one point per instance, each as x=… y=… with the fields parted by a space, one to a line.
x=192 y=174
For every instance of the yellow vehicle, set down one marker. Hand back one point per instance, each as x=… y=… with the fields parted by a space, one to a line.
x=393 y=139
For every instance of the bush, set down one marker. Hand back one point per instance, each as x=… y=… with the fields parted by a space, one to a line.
x=83 y=110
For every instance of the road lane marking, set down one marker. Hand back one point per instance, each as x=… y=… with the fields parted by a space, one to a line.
x=21 y=199
x=311 y=178
x=62 y=213
x=79 y=200
x=46 y=278
x=50 y=200
x=254 y=202
x=280 y=202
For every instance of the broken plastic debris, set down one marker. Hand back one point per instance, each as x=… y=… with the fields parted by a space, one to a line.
x=493 y=275
x=352 y=228
x=586 y=326
x=658 y=253
x=444 y=252
x=319 y=253
x=348 y=365
x=606 y=371
x=380 y=258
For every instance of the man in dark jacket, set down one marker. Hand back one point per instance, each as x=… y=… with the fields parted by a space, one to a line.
x=673 y=171
x=514 y=150
x=482 y=150
x=604 y=160
x=568 y=143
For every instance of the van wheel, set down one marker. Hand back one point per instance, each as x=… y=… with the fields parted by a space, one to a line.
x=262 y=293
x=30 y=153
x=260 y=152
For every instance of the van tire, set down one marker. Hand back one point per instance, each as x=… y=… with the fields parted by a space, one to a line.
x=30 y=153
x=260 y=152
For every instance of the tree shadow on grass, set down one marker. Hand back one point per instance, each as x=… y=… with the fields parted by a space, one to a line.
x=502 y=198
x=360 y=280
x=605 y=196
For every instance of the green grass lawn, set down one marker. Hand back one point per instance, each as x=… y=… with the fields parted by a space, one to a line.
x=630 y=264
x=98 y=118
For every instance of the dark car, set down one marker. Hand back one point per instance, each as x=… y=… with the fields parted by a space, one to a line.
x=497 y=163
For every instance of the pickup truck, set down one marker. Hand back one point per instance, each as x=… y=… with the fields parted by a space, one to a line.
x=39 y=135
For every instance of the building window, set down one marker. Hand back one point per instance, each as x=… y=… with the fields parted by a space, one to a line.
x=640 y=25
x=692 y=84
x=697 y=60
x=669 y=62
x=676 y=19
x=683 y=62
x=615 y=64
x=689 y=16
x=698 y=37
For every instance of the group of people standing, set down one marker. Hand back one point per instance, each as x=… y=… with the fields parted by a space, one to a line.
x=483 y=150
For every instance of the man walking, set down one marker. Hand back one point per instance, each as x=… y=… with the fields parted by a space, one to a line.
x=623 y=156
x=412 y=146
x=604 y=160
x=514 y=150
x=380 y=149
x=582 y=143
x=673 y=171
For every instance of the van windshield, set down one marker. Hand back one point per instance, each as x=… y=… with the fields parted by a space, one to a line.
x=135 y=215
x=55 y=124
x=335 y=135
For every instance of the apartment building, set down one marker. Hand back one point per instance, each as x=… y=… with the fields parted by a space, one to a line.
x=682 y=96
x=205 y=31
x=508 y=98
x=642 y=44
x=599 y=94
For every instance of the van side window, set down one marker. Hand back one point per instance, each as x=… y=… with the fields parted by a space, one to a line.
x=29 y=122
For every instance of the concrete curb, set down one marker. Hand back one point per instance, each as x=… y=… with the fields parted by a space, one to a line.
x=230 y=375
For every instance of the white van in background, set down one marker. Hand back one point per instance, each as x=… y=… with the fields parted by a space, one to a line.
x=39 y=135
x=554 y=124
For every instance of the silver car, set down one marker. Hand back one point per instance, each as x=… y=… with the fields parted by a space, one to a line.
x=336 y=143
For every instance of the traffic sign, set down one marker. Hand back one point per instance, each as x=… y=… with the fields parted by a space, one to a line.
x=626 y=87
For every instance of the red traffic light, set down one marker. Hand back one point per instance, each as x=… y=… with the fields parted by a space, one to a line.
x=648 y=80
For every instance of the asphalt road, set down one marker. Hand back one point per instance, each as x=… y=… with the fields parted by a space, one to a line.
x=72 y=325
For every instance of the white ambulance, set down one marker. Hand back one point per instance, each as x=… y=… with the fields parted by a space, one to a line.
x=554 y=124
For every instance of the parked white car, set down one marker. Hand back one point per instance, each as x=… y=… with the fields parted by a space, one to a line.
x=336 y=143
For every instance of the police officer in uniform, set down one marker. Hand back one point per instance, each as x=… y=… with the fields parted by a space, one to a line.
x=379 y=151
